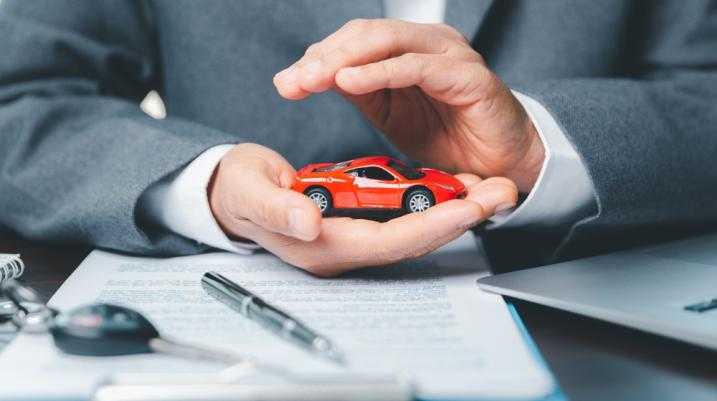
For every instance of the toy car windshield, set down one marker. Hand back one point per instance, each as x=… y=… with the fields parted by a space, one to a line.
x=408 y=172
x=333 y=167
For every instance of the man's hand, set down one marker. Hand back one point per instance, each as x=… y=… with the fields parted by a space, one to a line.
x=251 y=198
x=428 y=91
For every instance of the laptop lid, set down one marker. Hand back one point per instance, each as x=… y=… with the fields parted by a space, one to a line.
x=670 y=290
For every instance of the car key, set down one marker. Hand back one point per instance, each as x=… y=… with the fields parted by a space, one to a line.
x=109 y=330
x=24 y=308
x=7 y=310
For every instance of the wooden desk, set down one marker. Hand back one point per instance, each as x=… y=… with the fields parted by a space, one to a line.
x=592 y=360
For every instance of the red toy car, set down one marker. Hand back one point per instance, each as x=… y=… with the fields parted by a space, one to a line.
x=376 y=182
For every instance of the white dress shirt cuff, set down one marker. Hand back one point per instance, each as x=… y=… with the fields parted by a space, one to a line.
x=180 y=203
x=563 y=189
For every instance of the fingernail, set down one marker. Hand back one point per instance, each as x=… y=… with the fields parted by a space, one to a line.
x=468 y=222
x=492 y=198
x=299 y=224
x=504 y=208
x=471 y=224
x=287 y=76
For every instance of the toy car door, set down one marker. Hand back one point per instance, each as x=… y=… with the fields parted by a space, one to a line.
x=375 y=187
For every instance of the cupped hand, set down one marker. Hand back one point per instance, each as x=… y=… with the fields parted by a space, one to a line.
x=428 y=91
x=251 y=198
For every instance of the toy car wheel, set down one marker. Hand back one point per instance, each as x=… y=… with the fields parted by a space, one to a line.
x=321 y=197
x=418 y=200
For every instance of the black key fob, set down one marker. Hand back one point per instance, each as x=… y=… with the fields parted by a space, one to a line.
x=103 y=330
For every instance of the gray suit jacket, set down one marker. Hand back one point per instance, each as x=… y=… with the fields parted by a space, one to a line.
x=633 y=84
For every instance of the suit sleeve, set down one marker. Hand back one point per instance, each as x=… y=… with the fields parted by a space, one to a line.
x=180 y=203
x=76 y=151
x=648 y=140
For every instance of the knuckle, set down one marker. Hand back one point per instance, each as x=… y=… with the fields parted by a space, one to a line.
x=489 y=76
x=451 y=32
x=385 y=38
x=407 y=62
x=245 y=151
x=416 y=59
x=393 y=31
x=446 y=28
x=478 y=58
x=356 y=24
x=387 y=70
x=485 y=80
x=340 y=53
x=479 y=210
x=469 y=55
x=410 y=57
x=386 y=34
x=313 y=49
x=249 y=160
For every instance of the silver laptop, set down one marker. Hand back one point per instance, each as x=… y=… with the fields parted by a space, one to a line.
x=670 y=290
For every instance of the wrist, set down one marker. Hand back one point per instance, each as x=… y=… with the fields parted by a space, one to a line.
x=217 y=203
x=527 y=170
x=214 y=197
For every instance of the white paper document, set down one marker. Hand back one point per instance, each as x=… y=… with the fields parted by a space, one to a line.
x=425 y=319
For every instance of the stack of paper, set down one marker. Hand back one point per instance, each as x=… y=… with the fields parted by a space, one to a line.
x=425 y=319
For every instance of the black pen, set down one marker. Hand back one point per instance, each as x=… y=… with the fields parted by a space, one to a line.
x=253 y=307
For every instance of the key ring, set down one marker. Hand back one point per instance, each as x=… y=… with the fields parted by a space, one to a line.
x=28 y=312
x=101 y=329
x=7 y=311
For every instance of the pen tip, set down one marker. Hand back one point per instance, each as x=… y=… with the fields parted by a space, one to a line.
x=324 y=347
x=335 y=356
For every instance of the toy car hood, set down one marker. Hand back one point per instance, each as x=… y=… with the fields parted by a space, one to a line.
x=442 y=178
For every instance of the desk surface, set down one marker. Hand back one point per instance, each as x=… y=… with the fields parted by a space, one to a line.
x=592 y=360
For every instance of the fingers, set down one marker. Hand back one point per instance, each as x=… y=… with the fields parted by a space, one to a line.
x=495 y=194
x=360 y=42
x=255 y=186
x=345 y=244
x=277 y=209
x=455 y=82
x=468 y=179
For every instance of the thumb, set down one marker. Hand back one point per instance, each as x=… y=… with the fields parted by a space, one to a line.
x=256 y=188
x=280 y=210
